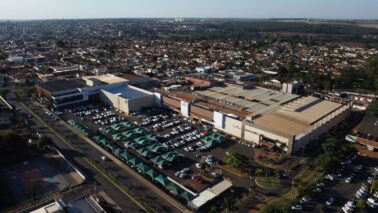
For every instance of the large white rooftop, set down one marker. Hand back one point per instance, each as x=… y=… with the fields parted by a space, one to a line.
x=255 y=101
x=128 y=92
x=209 y=194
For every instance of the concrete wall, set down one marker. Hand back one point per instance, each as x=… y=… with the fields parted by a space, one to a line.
x=127 y=106
x=110 y=99
x=171 y=102
x=321 y=127
x=252 y=131
x=201 y=113
x=232 y=126
x=137 y=104
x=250 y=134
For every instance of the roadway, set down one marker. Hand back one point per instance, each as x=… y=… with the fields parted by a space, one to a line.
x=92 y=174
x=151 y=195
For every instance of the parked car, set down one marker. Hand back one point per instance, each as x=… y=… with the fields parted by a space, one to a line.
x=305 y=200
x=372 y=202
x=330 y=177
x=215 y=174
x=348 y=179
x=297 y=208
x=330 y=201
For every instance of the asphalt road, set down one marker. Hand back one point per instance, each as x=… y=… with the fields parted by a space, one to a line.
x=143 y=191
x=92 y=174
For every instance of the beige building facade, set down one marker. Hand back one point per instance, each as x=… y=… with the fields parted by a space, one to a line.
x=128 y=99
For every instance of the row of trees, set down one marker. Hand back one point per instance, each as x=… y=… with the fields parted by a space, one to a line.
x=364 y=79
x=13 y=148
x=3 y=55
x=236 y=160
x=334 y=151
x=373 y=108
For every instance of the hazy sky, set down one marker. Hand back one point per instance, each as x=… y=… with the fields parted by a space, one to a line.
x=57 y=9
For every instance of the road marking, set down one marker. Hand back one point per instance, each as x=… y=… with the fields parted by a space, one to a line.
x=89 y=162
x=131 y=171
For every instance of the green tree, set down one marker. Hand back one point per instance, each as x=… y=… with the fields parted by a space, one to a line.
x=361 y=205
x=43 y=142
x=228 y=202
x=347 y=79
x=235 y=160
x=13 y=140
x=371 y=73
x=3 y=55
x=331 y=145
x=258 y=172
x=4 y=92
x=214 y=209
x=374 y=186
x=60 y=44
x=326 y=161
x=372 y=108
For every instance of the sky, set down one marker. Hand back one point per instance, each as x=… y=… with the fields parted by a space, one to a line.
x=70 y=9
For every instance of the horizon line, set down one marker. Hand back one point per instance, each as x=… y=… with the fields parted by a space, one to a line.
x=297 y=18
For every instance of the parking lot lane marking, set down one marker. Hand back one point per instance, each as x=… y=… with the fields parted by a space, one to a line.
x=123 y=166
x=90 y=163
x=132 y=172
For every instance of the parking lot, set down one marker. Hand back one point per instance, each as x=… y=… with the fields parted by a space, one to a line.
x=339 y=192
x=156 y=135
x=188 y=153
x=184 y=151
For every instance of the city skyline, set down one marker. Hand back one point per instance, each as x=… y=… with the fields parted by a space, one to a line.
x=86 y=9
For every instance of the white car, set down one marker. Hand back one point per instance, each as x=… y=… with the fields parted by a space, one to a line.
x=372 y=201
x=346 y=210
x=297 y=208
x=376 y=194
x=330 y=201
x=350 y=205
x=360 y=195
x=372 y=205
x=348 y=180
x=330 y=177
x=199 y=166
x=183 y=175
x=305 y=200
x=215 y=174
x=370 y=179
x=362 y=190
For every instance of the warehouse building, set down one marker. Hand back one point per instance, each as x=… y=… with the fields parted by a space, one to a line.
x=110 y=89
x=259 y=115
x=295 y=124
x=127 y=98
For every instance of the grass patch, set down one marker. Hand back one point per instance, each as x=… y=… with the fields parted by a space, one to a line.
x=268 y=182
x=308 y=176
x=235 y=171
